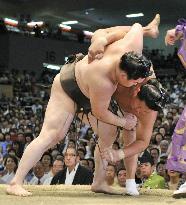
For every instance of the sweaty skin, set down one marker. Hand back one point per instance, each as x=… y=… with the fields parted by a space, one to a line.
x=108 y=78
x=134 y=141
x=125 y=97
x=98 y=80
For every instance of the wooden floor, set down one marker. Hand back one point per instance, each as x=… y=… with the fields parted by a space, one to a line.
x=81 y=195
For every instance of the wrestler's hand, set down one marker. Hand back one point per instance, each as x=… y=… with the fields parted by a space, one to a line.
x=96 y=49
x=112 y=155
x=130 y=121
x=170 y=37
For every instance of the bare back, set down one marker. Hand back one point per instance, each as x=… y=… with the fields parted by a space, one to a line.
x=99 y=79
x=100 y=71
x=146 y=117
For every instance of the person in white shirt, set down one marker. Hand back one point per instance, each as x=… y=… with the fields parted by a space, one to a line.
x=57 y=166
x=39 y=175
x=74 y=173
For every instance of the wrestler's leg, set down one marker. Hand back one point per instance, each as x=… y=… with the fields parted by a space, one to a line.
x=130 y=164
x=107 y=135
x=134 y=38
x=151 y=30
x=58 y=117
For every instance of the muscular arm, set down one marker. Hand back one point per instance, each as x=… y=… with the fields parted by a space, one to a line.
x=132 y=41
x=111 y=34
x=100 y=96
x=132 y=147
x=103 y=38
x=143 y=135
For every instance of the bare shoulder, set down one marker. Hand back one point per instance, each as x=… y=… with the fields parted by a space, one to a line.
x=148 y=119
x=101 y=82
x=101 y=68
x=96 y=69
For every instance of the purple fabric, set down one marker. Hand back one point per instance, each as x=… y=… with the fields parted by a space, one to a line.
x=181 y=27
x=177 y=159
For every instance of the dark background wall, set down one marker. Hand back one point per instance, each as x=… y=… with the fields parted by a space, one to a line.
x=4 y=50
x=29 y=53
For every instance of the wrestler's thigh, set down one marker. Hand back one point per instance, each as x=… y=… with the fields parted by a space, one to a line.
x=107 y=133
x=60 y=109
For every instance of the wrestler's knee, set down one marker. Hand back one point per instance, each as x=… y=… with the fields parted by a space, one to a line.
x=138 y=25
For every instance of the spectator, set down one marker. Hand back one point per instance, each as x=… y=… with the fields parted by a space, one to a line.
x=3 y=143
x=12 y=152
x=91 y=164
x=39 y=174
x=17 y=115
x=37 y=107
x=10 y=164
x=74 y=173
x=55 y=152
x=21 y=141
x=16 y=147
x=161 y=169
x=149 y=177
x=71 y=143
x=121 y=176
x=154 y=152
x=175 y=180
x=158 y=138
x=164 y=144
x=138 y=179
x=28 y=139
x=57 y=166
x=47 y=161
x=90 y=148
x=162 y=131
x=110 y=175
x=81 y=153
x=84 y=162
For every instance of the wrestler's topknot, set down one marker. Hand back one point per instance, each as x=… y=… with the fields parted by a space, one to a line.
x=135 y=65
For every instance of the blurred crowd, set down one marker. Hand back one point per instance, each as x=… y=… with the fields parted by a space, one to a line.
x=21 y=119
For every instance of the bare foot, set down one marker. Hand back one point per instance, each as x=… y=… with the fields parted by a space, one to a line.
x=153 y=26
x=105 y=189
x=17 y=190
